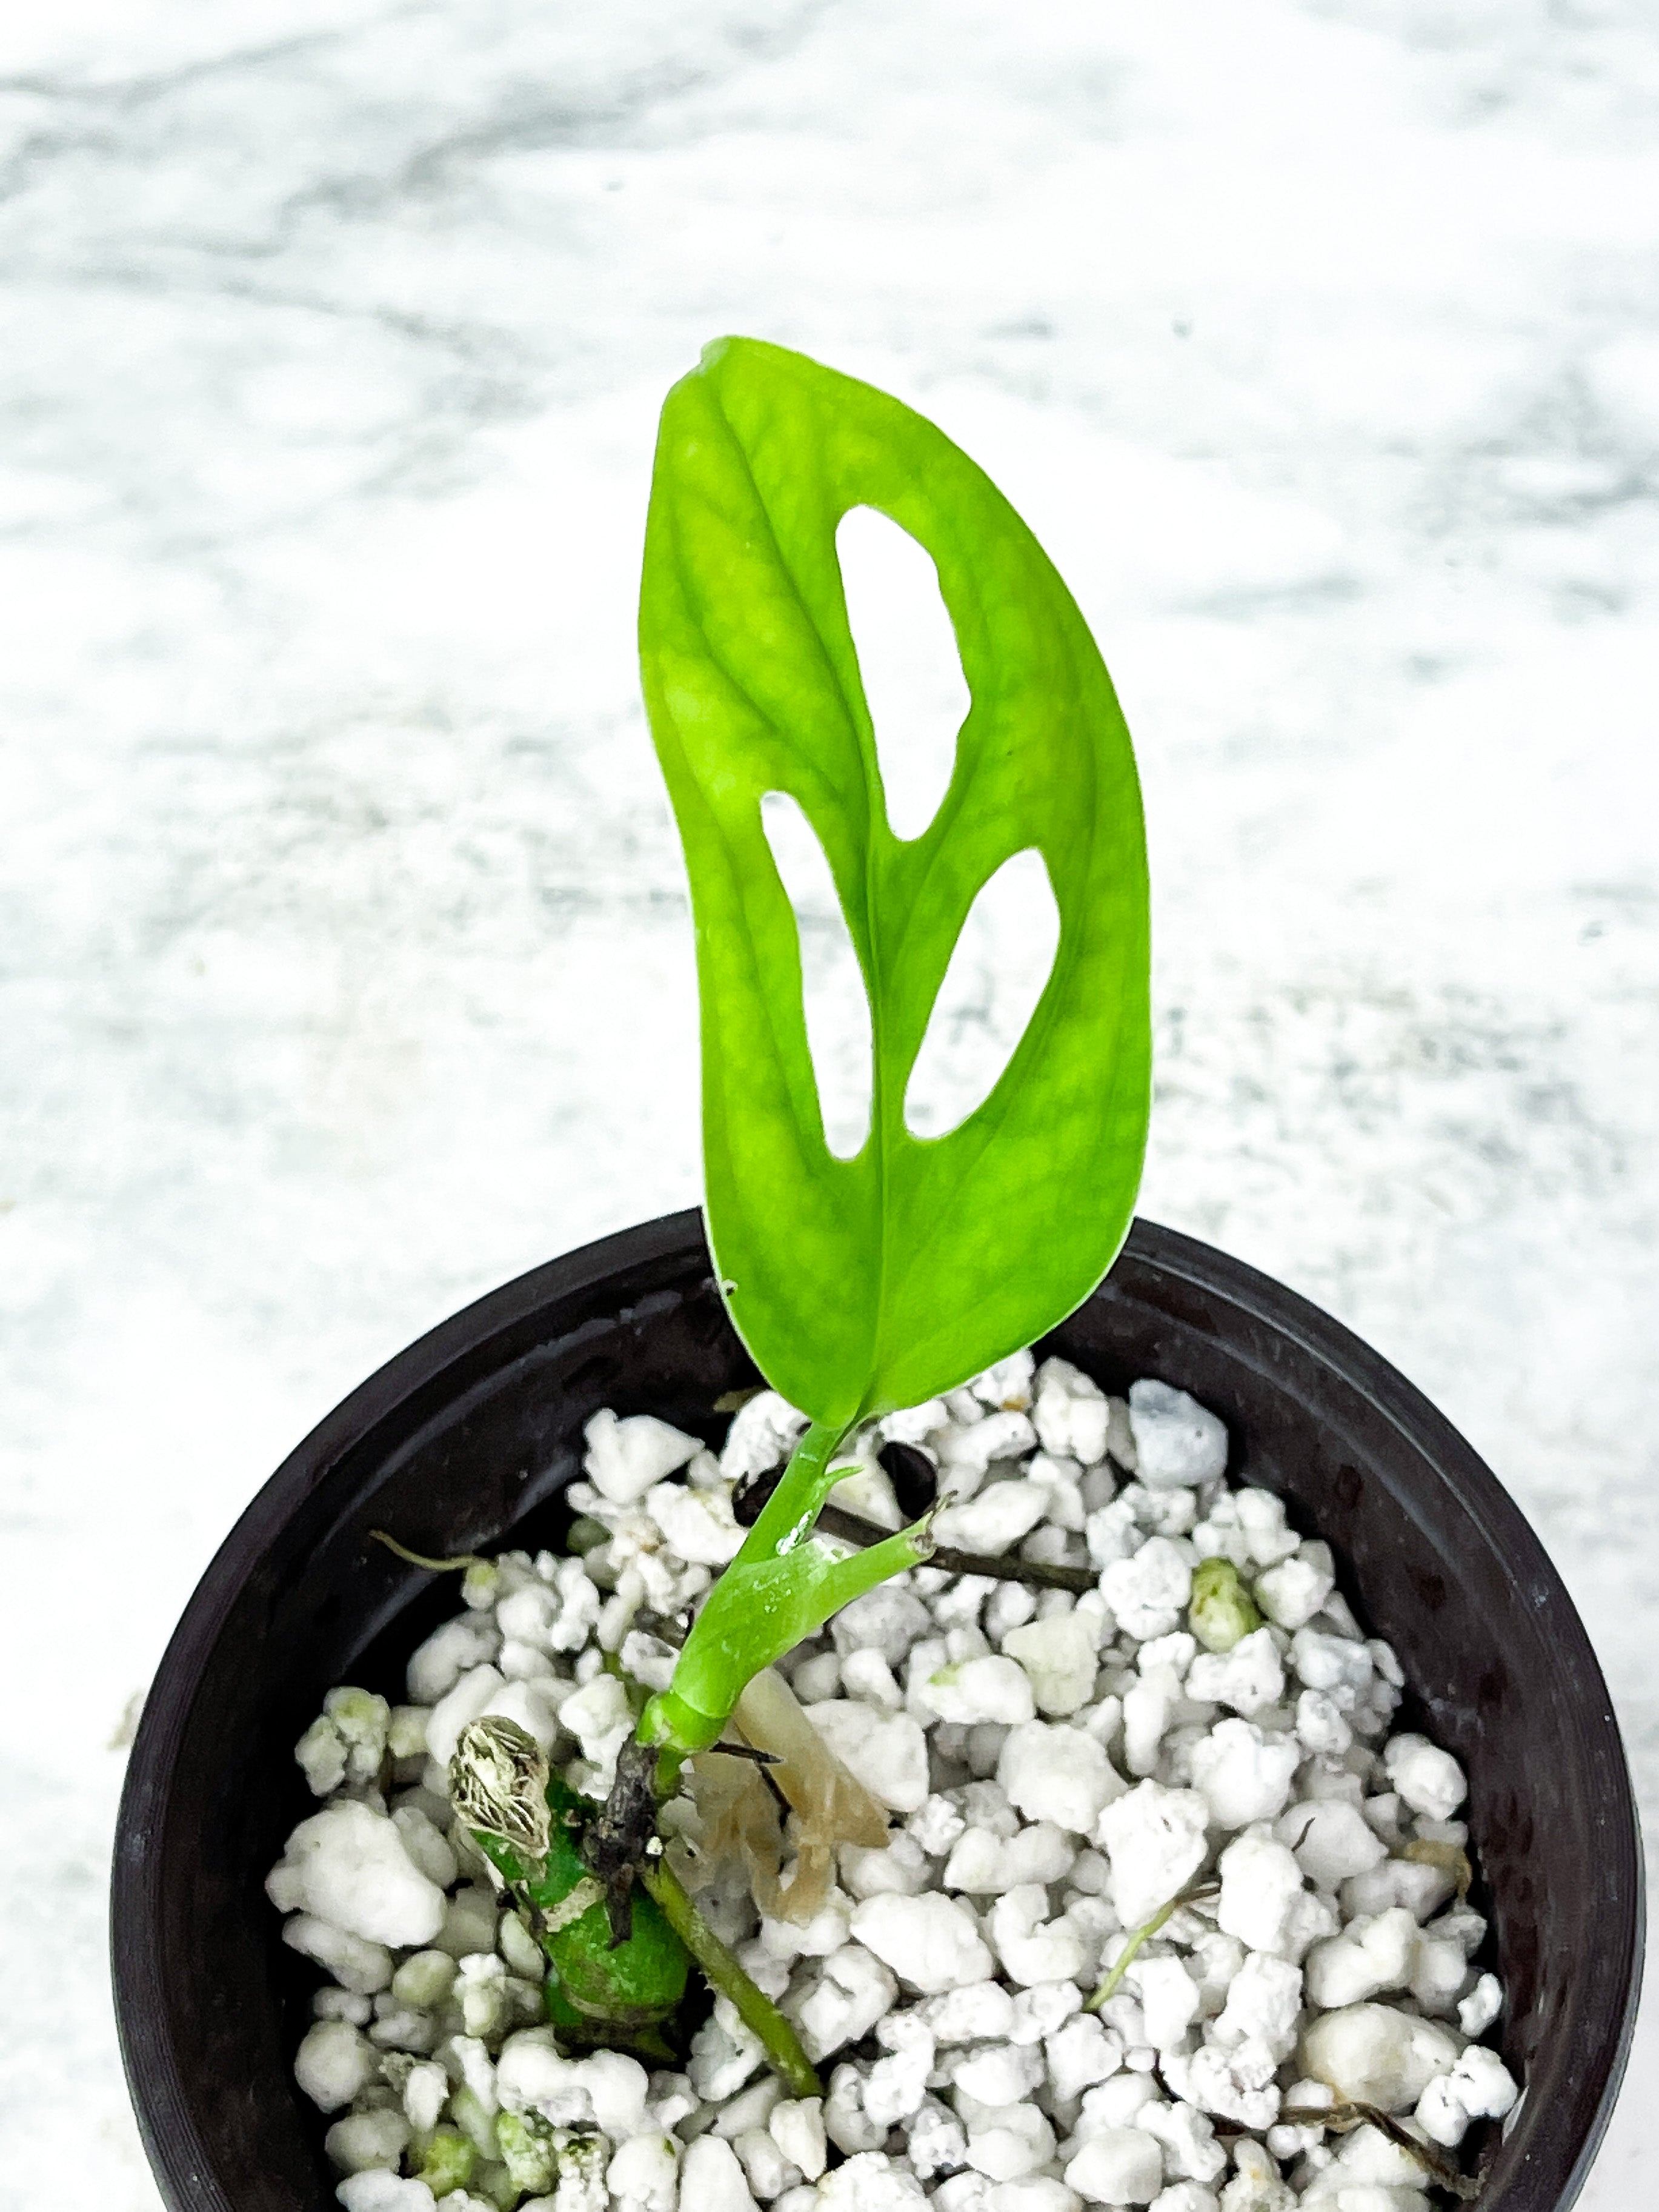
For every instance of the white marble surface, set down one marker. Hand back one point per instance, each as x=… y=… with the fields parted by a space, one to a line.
x=345 y=968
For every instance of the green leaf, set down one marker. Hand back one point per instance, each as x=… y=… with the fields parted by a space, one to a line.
x=863 y=1285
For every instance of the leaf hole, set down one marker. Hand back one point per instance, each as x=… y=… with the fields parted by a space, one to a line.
x=998 y=968
x=836 y=1002
x=912 y=673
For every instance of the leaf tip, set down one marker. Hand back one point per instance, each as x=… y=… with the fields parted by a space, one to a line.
x=721 y=349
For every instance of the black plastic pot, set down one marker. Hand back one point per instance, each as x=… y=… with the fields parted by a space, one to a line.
x=469 y=1437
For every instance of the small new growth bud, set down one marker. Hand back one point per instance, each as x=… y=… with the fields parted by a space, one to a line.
x=1222 y=1610
x=498 y=1783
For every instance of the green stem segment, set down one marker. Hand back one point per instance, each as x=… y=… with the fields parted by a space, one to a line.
x=754 y=2007
x=780 y=1587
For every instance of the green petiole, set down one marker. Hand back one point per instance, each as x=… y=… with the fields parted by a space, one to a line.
x=780 y=1587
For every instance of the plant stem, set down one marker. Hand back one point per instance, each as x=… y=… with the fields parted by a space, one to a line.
x=1125 y=1958
x=778 y=1590
x=754 y=2007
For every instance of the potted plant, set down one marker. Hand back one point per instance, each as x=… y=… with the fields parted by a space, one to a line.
x=858 y=1288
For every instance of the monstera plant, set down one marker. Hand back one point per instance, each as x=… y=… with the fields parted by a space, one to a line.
x=866 y=1283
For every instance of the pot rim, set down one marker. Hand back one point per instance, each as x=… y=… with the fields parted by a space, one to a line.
x=164 y=2110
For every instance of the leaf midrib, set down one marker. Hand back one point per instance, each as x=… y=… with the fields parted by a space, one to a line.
x=876 y=827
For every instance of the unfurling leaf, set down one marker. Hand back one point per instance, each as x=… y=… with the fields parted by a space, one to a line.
x=866 y=1284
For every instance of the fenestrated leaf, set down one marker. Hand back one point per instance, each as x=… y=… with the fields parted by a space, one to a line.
x=867 y=1283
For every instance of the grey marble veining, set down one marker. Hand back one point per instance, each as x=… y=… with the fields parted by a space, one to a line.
x=343 y=957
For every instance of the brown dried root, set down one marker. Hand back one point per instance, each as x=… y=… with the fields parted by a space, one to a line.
x=852 y=1529
x=1342 y=2118
x=738 y=1817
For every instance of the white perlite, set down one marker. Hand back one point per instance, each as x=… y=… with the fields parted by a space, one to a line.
x=1057 y=1770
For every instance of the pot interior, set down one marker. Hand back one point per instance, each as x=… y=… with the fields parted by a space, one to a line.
x=469 y=1439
